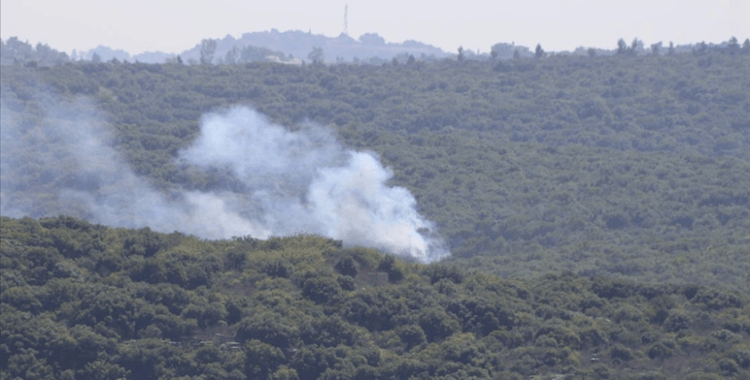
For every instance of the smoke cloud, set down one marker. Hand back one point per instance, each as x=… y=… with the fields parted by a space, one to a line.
x=61 y=162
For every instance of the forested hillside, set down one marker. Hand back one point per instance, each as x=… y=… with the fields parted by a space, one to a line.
x=85 y=301
x=623 y=166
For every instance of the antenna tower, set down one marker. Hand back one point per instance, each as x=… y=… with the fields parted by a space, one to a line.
x=346 y=23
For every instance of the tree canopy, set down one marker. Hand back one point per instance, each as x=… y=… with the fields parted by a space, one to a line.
x=86 y=301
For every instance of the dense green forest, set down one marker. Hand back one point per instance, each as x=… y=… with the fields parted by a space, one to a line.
x=633 y=166
x=84 y=301
x=597 y=209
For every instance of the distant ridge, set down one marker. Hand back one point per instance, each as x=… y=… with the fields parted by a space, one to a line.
x=290 y=44
x=299 y=44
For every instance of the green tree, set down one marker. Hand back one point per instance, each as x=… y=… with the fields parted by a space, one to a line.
x=347 y=266
x=622 y=47
x=655 y=48
x=393 y=267
x=232 y=56
x=733 y=45
x=538 y=52
x=437 y=324
x=322 y=289
x=701 y=48
x=207 y=51
x=317 y=56
x=635 y=46
x=262 y=359
x=412 y=335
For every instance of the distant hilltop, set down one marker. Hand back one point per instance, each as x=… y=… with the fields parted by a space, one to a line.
x=286 y=47
x=298 y=45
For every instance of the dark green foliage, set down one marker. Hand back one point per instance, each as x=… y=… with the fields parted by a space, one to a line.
x=677 y=320
x=374 y=309
x=143 y=242
x=437 y=321
x=270 y=328
x=277 y=268
x=346 y=282
x=390 y=265
x=660 y=350
x=261 y=359
x=439 y=272
x=347 y=266
x=321 y=289
x=715 y=299
x=411 y=335
x=437 y=324
x=620 y=353
x=703 y=376
x=235 y=260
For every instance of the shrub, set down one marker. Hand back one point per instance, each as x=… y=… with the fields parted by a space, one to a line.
x=660 y=351
x=439 y=272
x=411 y=335
x=717 y=300
x=592 y=337
x=392 y=266
x=562 y=334
x=347 y=266
x=321 y=289
x=278 y=268
x=628 y=312
x=284 y=373
x=461 y=348
x=545 y=341
x=742 y=357
x=509 y=339
x=346 y=283
x=620 y=352
x=270 y=328
x=262 y=359
x=728 y=366
x=235 y=260
x=648 y=376
x=437 y=324
x=677 y=320
x=723 y=335
x=703 y=376
x=601 y=371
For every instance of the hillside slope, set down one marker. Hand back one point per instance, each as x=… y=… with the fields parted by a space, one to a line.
x=630 y=167
x=86 y=301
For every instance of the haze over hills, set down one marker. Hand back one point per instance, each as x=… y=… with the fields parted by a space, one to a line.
x=292 y=44
x=295 y=46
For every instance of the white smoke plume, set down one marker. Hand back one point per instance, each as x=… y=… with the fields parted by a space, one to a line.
x=300 y=181
x=305 y=181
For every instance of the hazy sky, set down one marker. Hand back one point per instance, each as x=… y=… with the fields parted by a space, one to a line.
x=173 y=26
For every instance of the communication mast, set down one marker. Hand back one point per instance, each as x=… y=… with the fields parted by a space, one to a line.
x=346 y=23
